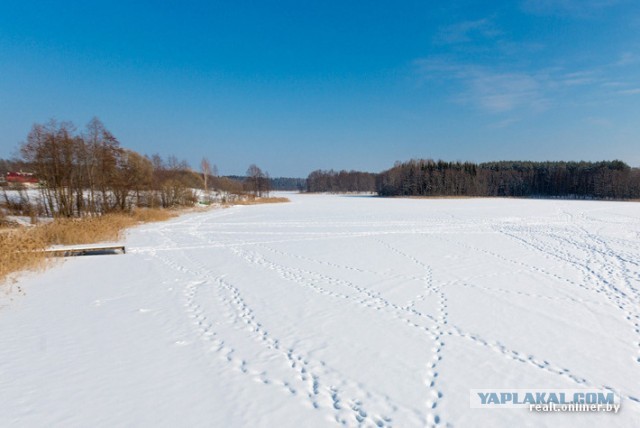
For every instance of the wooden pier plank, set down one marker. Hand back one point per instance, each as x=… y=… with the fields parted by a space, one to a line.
x=86 y=251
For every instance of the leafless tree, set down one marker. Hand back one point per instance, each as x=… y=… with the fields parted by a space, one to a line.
x=256 y=180
x=205 y=168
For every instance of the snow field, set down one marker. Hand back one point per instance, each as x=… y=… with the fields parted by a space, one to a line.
x=330 y=310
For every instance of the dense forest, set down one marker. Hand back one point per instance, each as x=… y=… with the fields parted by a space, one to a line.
x=342 y=181
x=585 y=180
x=277 y=183
x=288 y=183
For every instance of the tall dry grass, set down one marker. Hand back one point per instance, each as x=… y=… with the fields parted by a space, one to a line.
x=22 y=248
x=257 y=201
x=151 y=215
x=108 y=227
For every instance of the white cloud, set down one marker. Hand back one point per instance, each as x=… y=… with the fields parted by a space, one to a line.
x=504 y=123
x=580 y=78
x=634 y=91
x=627 y=58
x=466 y=31
x=506 y=82
x=503 y=92
x=612 y=84
x=579 y=8
x=501 y=89
x=599 y=122
x=490 y=90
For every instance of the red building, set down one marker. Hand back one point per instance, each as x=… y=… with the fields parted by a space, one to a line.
x=21 y=178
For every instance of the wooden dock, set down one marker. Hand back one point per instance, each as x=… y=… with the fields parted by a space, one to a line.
x=86 y=251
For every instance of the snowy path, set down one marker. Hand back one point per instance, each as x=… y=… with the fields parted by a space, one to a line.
x=333 y=311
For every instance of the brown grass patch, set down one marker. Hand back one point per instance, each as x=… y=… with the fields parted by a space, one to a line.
x=22 y=248
x=258 y=201
x=85 y=230
x=151 y=215
x=108 y=227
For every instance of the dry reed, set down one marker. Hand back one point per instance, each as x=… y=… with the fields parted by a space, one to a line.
x=257 y=201
x=22 y=248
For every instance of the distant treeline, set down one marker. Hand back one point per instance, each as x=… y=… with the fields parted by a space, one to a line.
x=600 y=180
x=342 y=181
x=288 y=183
x=277 y=183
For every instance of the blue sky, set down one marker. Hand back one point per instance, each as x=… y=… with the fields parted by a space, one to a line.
x=296 y=86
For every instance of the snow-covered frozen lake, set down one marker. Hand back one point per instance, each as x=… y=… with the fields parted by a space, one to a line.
x=333 y=310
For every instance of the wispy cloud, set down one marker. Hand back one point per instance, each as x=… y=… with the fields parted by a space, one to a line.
x=577 y=8
x=580 y=78
x=612 y=84
x=508 y=92
x=488 y=89
x=600 y=122
x=510 y=79
x=627 y=58
x=505 y=123
x=467 y=31
x=634 y=91
x=498 y=92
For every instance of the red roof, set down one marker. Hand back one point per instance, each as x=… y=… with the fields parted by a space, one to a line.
x=21 y=177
